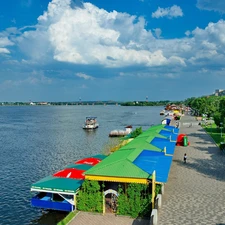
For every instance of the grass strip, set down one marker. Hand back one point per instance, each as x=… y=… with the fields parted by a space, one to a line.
x=214 y=132
x=68 y=218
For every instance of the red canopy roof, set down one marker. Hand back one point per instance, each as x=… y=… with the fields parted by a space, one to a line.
x=70 y=173
x=88 y=161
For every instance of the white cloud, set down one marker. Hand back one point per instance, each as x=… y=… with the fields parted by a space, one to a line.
x=212 y=5
x=169 y=12
x=158 y=32
x=4 y=41
x=90 y=36
x=188 y=33
x=84 y=76
x=4 y=50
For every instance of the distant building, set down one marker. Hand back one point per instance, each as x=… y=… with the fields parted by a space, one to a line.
x=42 y=103
x=219 y=92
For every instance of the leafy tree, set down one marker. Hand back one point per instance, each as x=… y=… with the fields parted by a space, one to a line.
x=217 y=118
x=90 y=197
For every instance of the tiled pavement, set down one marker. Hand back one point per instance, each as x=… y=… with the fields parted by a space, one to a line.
x=195 y=192
x=85 y=218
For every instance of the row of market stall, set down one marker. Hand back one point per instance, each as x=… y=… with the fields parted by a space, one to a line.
x=145 y=160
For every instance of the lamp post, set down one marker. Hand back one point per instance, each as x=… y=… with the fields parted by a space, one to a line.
x=221 y=129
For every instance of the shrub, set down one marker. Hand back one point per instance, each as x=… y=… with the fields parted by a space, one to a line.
x=136 y=202
x=136 y=132
x=90 y=197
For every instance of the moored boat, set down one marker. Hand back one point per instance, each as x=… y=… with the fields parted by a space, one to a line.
x=121 y=133
x=90 y=123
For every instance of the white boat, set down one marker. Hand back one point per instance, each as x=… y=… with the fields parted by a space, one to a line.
x=90 y=123
x=121 y=133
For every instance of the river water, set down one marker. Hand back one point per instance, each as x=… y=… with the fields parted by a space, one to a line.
x=37 y=141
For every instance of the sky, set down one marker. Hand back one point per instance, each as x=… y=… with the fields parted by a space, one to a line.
x=66 y=50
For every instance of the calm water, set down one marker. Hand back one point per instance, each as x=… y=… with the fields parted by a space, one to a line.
x=37 y=141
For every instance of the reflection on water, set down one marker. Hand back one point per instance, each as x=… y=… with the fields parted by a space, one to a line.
x=37 y=141
x=49 y=217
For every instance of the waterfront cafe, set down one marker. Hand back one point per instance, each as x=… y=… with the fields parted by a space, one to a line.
x=145 y=160
x=58 y=192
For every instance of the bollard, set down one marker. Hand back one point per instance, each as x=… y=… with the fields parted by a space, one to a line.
x=159 y=200
x=155 y=216
x=162 y=189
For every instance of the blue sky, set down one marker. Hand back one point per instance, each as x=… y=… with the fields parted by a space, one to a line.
x=63 y=50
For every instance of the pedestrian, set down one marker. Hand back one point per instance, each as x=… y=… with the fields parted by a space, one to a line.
x=185 y=158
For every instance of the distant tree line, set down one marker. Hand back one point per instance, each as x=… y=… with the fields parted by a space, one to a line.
x=150 y=103
x=133 y=103
x=61 y=103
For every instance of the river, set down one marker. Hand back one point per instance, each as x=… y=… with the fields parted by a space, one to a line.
x=37 y=141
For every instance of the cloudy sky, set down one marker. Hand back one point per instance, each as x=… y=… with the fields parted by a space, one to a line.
x=63 y=50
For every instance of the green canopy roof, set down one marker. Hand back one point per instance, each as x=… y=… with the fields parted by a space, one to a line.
x=121 y=168
x=57 y=184
x=120 y=163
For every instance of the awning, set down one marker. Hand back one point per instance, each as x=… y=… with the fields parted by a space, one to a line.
x=56 y=184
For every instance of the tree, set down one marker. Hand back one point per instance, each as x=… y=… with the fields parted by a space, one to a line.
x=217 y=118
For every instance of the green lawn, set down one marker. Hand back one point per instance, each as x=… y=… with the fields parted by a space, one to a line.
x=68 y=218
x=215 y=133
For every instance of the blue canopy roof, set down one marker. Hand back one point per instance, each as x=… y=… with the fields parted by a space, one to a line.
x=161 y=143
x=169 y=134
x=158 y=161
x=172 y=128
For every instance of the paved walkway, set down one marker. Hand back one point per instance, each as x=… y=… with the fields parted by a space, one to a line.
x=85 y=218
x=195 y=192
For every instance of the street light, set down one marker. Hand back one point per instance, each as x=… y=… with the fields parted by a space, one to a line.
x=221 y=129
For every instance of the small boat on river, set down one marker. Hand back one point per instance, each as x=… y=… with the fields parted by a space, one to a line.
x=121 y=133
x=90 y=123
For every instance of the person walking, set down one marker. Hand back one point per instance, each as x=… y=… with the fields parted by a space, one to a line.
x=185 y=158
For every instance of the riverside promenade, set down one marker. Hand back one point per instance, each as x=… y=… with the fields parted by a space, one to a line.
x=195 y=191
